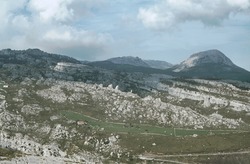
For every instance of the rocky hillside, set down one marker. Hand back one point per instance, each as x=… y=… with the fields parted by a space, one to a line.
x=214 y=57
x=211 y=64
x=32 y=57
x=55 y=109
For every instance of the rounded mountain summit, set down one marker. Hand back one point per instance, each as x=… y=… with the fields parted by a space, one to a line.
x=210 y=64
x=204 y=58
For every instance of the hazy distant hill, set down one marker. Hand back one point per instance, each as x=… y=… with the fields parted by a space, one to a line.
x=129 y=60
x=158 y=64
x=136 y=61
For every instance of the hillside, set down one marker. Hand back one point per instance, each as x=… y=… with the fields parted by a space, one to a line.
x=55 y=109
x=211 y=64
x=158 y=64
x=138 y=62
x=129 y=60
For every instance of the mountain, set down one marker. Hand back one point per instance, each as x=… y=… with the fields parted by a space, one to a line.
x=158 y=64
x=138 y=62
x=33 y=57
x=210 y=64
x=125 y=68
x=131 y=64
x=129 y=60
x=32 y=63
x=214 y=57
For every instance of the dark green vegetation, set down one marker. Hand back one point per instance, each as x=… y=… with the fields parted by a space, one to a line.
x=125 y=67
x=6 y=153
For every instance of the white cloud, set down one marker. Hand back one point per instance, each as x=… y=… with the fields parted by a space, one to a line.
x=155 y=19
x=48 y=10
x=6 y=9
x=242 y=4
x=49 y=25
x=75 y=42
x=58 y=36
x=20 y=22
x=10 y=5
x=66 y=37
x=167 y=13
x=62 y=10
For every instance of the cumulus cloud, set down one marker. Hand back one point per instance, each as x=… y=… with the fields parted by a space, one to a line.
x=6 y=9
x=67 y=38
x=168 y=13
x=50 y=25
x=47 y=10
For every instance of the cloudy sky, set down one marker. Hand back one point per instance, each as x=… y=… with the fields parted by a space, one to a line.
x=169 y=30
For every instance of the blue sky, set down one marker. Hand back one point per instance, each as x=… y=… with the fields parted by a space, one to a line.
x=169 y=30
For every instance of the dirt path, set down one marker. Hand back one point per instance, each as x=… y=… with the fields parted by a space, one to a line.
x=160 y=158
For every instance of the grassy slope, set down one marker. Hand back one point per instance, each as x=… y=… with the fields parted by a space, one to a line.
x=139 y=138
x=141 y=128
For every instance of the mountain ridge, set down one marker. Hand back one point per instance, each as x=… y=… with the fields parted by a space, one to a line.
x=210 y=64
x=159 y=64
x=37 y=55
x=130 y=60
x=136 y=61
x=204 y=57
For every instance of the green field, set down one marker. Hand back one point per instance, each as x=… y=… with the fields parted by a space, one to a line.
x=140 y=128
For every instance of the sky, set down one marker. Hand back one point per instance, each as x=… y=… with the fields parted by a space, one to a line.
x=169 y=30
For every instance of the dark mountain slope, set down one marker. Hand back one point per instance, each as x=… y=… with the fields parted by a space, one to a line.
x=33 y=57
x=125 y=67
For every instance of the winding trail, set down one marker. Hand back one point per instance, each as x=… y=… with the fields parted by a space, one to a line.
x=160 y=158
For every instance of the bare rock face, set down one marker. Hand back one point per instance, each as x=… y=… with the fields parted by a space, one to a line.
x=210 y=56
x=26 y=145
x=205 y=57
x=32 y=109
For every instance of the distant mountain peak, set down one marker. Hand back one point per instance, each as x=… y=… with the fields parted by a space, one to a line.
x=158 y=64
x=130 y=60
x=213 y=56
x=136 y=61
x=205 y=57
